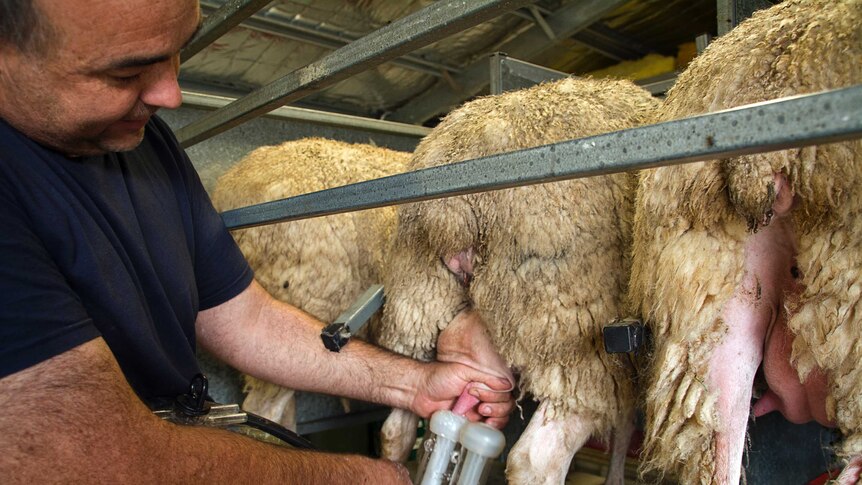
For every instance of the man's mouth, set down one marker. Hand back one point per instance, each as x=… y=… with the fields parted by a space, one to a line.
x=132 y=125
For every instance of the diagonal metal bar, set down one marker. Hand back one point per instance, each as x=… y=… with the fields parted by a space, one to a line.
x=434 y=22
x=598 y=36
x=564 y=22
x=303 y=115
x=540 y=21
x=784 y=123
x=231 y=14
x=314 y=33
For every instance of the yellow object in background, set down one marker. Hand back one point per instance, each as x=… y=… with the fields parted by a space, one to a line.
x=648 y=66
x=685 y=53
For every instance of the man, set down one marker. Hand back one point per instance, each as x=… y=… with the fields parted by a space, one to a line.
x=113 y=264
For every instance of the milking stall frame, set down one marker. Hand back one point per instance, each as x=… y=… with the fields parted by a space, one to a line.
x=786 y=123
x=793 y=122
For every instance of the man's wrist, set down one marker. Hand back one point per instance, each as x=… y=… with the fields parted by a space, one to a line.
x=398 y=381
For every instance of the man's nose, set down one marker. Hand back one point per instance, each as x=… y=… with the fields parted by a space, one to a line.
x=163 y=90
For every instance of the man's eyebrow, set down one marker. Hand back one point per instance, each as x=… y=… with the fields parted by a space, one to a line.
x=136 y=62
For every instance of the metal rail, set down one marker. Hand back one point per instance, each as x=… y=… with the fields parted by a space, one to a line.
x=508 y=74
x=784 y=123
x=432 y=23
x=303 y=115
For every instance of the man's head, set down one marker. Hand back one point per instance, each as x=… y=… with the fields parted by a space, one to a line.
x=84 y=76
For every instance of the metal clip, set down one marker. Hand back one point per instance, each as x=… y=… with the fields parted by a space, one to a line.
x=624 y=335
x=337 y=334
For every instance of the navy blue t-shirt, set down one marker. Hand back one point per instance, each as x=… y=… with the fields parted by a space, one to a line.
x=126 y=246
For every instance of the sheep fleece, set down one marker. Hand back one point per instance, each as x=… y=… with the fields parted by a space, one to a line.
x=550 y=259
x=319 y=265
x=692 y=221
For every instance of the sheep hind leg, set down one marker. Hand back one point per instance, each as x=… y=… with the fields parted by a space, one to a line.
x=755 y=307
x=852 y=473
x=545 y=450
x=619 y=450
x=398 y=435
x=272 y=402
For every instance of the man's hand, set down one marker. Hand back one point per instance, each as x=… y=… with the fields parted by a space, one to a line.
x=278 y=343
x=466 y=341
x=443 y=382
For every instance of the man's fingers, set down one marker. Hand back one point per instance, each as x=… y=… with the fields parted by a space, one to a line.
x=496 y=410
x=496 y=415
x=489 y=395
x=498 y=423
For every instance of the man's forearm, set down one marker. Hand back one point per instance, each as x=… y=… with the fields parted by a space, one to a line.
x=73 y=418
x=254 y=336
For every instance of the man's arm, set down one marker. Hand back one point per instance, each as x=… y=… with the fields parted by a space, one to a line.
x=74 y=418
x=279 y=343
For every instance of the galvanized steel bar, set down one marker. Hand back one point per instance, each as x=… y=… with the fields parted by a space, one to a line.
x=314 y=116
x=509 y=74
x=231 y=14
x=658 y=85
x=434 y=22
x=785 y=123
x=731 y=13
x=362 y=309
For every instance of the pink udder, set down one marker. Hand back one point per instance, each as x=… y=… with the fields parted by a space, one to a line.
x=798 y=402
x=465 y=402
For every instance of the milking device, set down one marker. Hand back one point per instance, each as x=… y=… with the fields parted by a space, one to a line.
x=456 y=452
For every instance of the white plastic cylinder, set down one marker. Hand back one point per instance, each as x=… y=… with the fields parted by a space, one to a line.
x=480 y=443
x=438 y=465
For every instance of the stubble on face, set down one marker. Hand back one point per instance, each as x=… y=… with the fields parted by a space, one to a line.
x=65 y=99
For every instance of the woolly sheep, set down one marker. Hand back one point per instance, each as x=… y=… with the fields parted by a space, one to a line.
x=742 y=259
x=548 y=265
x=319 y=265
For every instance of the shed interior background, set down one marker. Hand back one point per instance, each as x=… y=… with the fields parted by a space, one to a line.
x=643 y=40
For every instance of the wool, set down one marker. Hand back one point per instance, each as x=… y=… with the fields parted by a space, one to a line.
x=692 y=220
x=320 y=265
x=551 y=260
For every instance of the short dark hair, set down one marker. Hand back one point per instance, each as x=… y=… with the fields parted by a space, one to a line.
x=21 y=26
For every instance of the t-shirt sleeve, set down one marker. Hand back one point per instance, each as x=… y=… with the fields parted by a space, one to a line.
x=40 y=315
x=221 y=270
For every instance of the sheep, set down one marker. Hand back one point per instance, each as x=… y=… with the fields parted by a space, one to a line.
x=545 y=267
x=745 y=259
x=319 y=265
